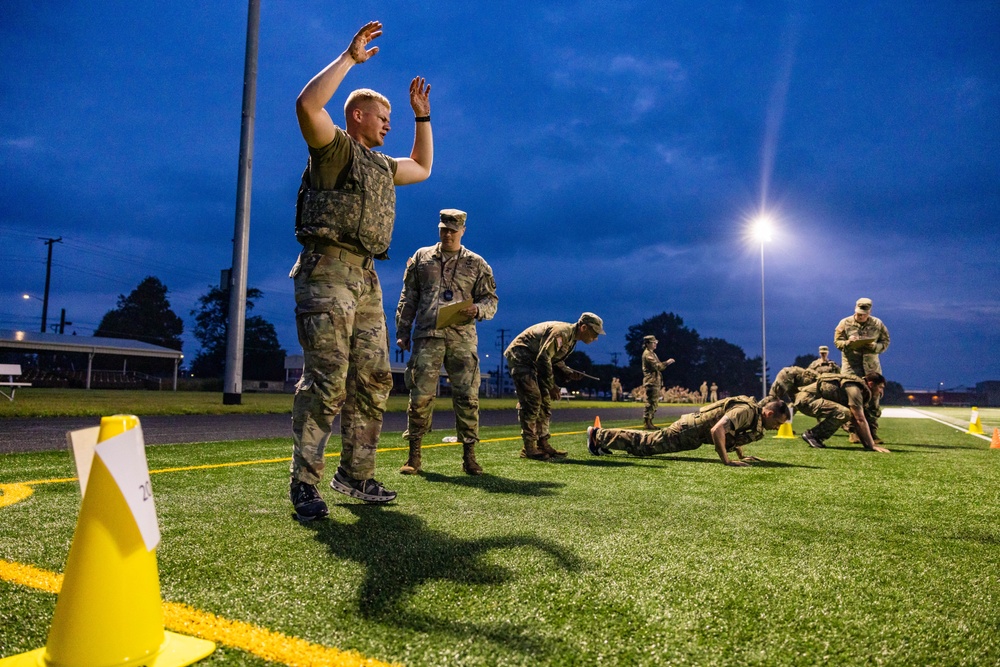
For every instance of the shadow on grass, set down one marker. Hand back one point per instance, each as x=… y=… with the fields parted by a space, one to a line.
x=399 y=554
x=494 y=484
x=624 y=461
x=923 y=445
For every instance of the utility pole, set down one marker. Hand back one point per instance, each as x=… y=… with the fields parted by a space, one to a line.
x=48 y=277
x=614 y=358
x=502 y=335
x=63 y=322
x=233 y=387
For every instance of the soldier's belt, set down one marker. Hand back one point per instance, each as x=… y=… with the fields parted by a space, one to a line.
x=346 y=256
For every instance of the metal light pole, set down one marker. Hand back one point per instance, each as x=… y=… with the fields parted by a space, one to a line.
x=762 y=230
x=233 y=387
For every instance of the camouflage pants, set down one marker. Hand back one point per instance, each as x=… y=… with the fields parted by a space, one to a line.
x=830 y=414
x=461 y=362
x=342 y=330
x=873 y=410
x=652 y=398
x=680 y=436
x=535 y=406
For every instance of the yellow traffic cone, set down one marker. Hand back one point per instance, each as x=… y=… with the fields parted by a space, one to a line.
x=109 y=611
x=995 y=442
x=785 y=431
x=975 y=426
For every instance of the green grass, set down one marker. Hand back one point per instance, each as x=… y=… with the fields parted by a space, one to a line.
x=33 y=402
x=815 y=557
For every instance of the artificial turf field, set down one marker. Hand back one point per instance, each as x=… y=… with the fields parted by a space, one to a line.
x=832 y=556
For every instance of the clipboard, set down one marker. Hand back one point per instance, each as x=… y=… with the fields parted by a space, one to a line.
x=451 y=314
x=856 y=345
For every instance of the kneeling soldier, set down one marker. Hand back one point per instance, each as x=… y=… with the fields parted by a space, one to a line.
x=729 y=424
x=835 y=399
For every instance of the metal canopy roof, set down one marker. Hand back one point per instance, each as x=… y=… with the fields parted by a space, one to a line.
x=37 y=341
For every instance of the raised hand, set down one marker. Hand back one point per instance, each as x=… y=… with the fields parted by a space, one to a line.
x=368 y=32
x=420 y=92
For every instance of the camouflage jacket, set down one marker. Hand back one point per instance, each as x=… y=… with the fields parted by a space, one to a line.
x=359 y=213
x=819 y=366
x=858 y=362
x=834 y=387
x=651 y=369
x=744 y=415
x=428 y=274
x=542 y=349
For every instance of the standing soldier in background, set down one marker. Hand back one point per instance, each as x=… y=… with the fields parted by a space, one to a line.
x=437 y=276
x=713 y=395
x=703 y=390
x=616 y=390
x=651 y=380
x=861 y=338
x=824 y=364
x=533 y=358
x=789 y=380
x=729 y=425
x=345 y=213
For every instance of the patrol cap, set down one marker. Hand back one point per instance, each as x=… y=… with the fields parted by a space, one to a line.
x=824 y=348
x=864 y=305
x=452 y=218
x=649 y=339
x=592 y=321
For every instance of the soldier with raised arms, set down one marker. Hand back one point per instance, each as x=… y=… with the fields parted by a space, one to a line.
x=344 y=218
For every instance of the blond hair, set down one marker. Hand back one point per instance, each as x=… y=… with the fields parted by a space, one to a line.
x=364 y=97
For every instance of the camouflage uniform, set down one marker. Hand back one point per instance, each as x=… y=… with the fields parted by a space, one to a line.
x=713 y=394
x=428 y=273
x=829 y=400
x=703 y=390
x=533 y=358
x=692 y=430
x=651 y=381
x=859 y=363
x=789 y=380
x=616 y=390
x=338 y=313
x=819 y=366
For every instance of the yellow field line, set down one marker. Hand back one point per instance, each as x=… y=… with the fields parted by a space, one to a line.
x=12 y=493
x=181 y=618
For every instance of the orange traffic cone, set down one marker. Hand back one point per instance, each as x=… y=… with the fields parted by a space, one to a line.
x=109 y=610
x=597 y=422
x=995 y=442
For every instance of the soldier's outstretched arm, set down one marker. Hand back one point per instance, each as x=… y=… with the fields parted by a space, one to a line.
x=417 y=167
x=719 y=439
x=864 y=432
x=315 y=123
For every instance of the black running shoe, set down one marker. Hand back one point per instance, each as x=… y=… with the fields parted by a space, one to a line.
x=368 y=490
x=307 y=501
x=812 y=441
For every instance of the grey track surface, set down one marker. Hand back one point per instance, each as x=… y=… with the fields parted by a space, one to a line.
x=37 y=435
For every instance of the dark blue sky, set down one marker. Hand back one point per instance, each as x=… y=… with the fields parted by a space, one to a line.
x=608 y=154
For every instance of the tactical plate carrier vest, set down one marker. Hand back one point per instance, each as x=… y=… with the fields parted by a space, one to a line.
x=830 y=386
x=702 y=422
x=361 y=212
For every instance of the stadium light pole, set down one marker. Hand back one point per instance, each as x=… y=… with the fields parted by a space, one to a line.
x=762 y=232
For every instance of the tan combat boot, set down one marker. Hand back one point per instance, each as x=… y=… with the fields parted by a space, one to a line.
x=543 y=444
x=469 y=464
x=531 y=451
x=649 y=425
x=412 y=465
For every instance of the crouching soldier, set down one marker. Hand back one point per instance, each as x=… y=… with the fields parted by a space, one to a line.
x=789 y=380
x=729 y=425
x=835 y=399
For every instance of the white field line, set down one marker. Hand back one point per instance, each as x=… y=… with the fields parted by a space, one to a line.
x=925 y=415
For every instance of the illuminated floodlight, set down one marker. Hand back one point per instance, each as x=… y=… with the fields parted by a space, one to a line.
x=763 y=227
